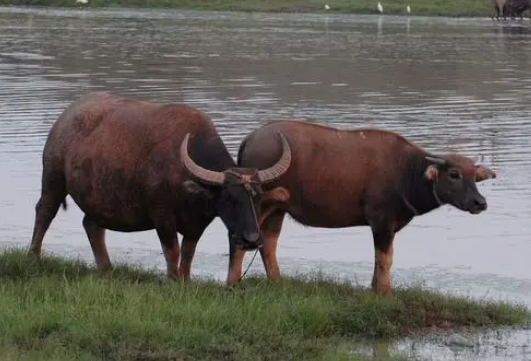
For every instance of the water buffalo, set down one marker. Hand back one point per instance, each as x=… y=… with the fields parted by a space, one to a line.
x=516 y=8
x=344 y=178
x=134 y=165
x=500 y=8
x=511 y=8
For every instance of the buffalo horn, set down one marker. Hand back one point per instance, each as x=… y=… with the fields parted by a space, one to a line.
x=484 y=173
x=202 y=174
x=478 y=160
x=436 y=160
x=280 y=167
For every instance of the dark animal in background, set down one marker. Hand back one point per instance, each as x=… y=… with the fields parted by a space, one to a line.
x=345 y=178
x=516 y=8
x=511 y=8
x=134 y=165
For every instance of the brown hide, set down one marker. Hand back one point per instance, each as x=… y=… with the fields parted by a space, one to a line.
x=112 y=151
x=365 y=177
x=134 y=165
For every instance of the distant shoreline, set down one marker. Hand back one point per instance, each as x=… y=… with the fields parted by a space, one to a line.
x=447 y=8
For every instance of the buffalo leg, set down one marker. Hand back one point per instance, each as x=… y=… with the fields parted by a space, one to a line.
x=270 y=229
x=383 y=249
x=96 y=236
x=53 y=193
x=236 y=256
x=170 y=247
x=187 y=255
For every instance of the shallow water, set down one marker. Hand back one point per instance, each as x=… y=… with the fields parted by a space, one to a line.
x=450 y=85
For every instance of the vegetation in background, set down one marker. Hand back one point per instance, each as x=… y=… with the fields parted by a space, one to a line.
x=480 y=8
x=55 y=309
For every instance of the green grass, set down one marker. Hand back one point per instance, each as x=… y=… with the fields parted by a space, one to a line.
x=455 y=8
x=55 y=309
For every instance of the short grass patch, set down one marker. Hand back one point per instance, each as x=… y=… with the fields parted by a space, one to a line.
x=55 y=309
x=456 y=8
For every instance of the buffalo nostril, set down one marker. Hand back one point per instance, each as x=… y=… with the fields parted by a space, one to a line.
x=480 y=202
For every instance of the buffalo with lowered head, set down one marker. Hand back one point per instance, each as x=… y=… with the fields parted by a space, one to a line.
x=345 y=178
x=134 y=165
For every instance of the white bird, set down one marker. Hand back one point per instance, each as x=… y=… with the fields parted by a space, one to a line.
x=380 y=7
x=82 y=2
x=408 y=9
x=327 y=7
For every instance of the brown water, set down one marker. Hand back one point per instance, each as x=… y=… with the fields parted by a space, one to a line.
x=461 y=85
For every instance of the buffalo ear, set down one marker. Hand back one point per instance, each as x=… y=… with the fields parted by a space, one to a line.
x=483 y=173
x=431 y=173
x=197 y=190
x=197 y=195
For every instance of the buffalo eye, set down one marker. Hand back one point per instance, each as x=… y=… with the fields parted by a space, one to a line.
x=455 y=175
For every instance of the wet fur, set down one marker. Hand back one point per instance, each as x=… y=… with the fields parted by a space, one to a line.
x=113 y=154
x=119 y=159
x=321 y=166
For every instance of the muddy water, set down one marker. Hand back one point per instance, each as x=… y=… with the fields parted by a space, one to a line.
x=462 y=85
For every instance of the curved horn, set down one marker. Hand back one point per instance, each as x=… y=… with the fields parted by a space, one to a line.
x=202 y=174
x=478 y=160
x=280 y=167
x=439 y=161
x=484 y=173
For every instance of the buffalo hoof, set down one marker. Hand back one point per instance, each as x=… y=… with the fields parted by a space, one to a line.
x=175 y=276
x=233 y=283
x=236 y=288
x=33 y=255
x=104 y=268
x=34 y=252
x=106 y=271
x=383 y=290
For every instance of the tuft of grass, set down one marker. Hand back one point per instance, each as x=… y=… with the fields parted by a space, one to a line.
x=54 y=309
x=455 y=8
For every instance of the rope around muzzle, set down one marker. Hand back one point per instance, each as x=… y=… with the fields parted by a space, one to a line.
x=249 y=265
x=248 y=184
x=437 y=196
x=252 y=260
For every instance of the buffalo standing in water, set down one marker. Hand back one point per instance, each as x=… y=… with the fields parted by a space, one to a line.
x=511 y=8
x=345 y=178
x=126 y=165
x=499 y=9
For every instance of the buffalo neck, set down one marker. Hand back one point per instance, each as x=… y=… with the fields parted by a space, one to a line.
x=417 y=192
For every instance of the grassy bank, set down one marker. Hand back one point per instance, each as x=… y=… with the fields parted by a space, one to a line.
x=60 y=310
x=418 y=7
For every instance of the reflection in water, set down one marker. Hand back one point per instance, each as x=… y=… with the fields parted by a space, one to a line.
x=448 y=84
